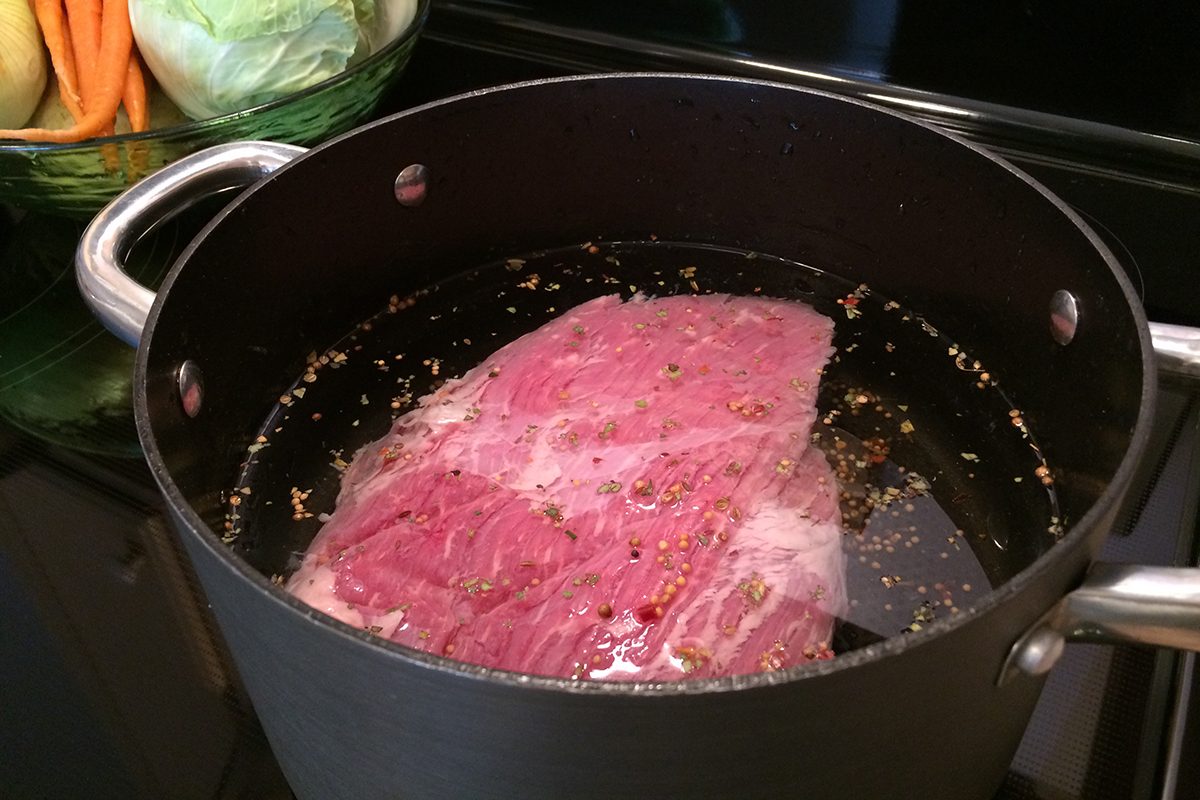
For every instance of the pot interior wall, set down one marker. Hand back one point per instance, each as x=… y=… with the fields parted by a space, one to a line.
x=310 y=252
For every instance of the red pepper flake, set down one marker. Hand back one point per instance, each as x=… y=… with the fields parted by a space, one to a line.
x=850 y=303
x=755 y=410
x=773 y=660
x=647 y=613
x=877 y=448
x=818 y=652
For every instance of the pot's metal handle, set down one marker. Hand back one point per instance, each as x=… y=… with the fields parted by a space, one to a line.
x=1117 y=604
x=121 y=303
x=1178 y=350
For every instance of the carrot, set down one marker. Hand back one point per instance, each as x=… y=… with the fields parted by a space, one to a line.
x=62 y=55
x=137 y=107
x=83 y=18
x=135 y=98
x=116 y=45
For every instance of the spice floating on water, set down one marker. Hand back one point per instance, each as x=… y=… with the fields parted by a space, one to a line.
x=587 y=421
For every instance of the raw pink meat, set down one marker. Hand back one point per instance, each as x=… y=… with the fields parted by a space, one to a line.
x=628 y=493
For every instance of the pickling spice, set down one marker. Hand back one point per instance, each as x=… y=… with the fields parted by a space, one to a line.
x=581 y=472
x=583 y=456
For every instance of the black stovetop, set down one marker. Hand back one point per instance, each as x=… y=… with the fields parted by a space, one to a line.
x=1129 y=65
x=113 y=682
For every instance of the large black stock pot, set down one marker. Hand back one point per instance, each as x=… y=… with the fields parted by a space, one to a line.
x=321 y=237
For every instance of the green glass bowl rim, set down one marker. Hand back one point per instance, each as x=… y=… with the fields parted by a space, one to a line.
x=403 y=39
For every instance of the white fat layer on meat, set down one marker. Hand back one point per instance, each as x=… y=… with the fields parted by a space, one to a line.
x=315 y=584
x=788 y=545
x=780 y=530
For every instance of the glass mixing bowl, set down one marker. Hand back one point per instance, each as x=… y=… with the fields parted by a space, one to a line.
x=77 y=180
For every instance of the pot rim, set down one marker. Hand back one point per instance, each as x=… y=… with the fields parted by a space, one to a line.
x=892 y=646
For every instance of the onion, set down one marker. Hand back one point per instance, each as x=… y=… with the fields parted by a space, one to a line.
x=22 y=63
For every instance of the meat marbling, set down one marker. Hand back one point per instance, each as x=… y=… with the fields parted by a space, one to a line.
x=628 y=493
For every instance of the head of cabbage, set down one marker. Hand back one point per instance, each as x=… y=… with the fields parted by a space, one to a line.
x=22 y=63
x=214 y=57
